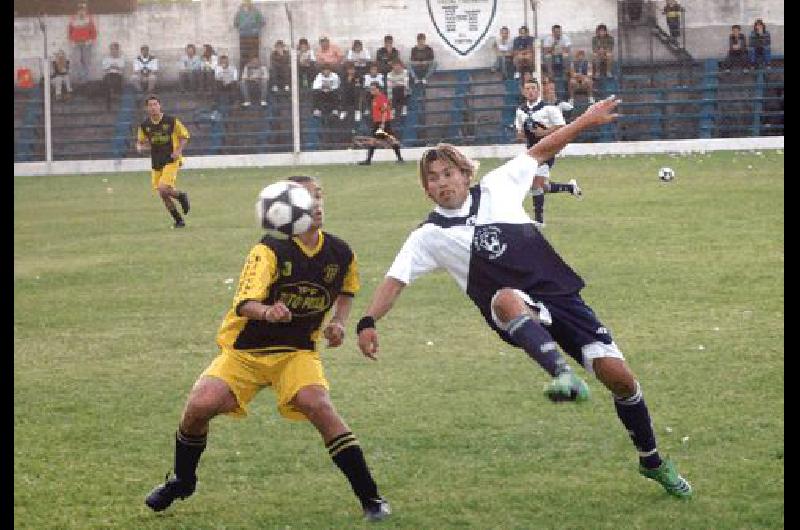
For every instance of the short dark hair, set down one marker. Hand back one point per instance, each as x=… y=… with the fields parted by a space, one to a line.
x=420 y=35
x=151 y=96
x=736 y=26
x=388 y=37
x=602 y=26
x=301 y=179
x=556 y=26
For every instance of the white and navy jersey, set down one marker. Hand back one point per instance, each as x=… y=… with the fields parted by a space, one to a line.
x=489 y=243
x=528 y=114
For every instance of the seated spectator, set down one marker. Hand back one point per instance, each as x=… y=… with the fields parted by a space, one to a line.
x=113 y=71
x=602 y=52
x=352 y=92
x=145 y=69
x=329 y=54
x=760 y=45
x=503 y=49
x=386 y=55
x=226 y=79
x=360 y=58
x=208 y=68
x=580 y=77
x=254 y=77
x=373 y=76
x=397 y=86
x=280 y=68
x=189 y=69
x=421 y=63
x=556 y=52
x=522 y=52
x=672 y=11
x=59 y=75
x=326 y=91
x=306 y=63
x=737 y=50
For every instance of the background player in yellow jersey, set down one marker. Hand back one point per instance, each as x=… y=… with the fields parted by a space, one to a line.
x=166 y=136
x=269 y=338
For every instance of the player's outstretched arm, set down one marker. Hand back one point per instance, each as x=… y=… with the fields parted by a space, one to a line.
x=382 y=301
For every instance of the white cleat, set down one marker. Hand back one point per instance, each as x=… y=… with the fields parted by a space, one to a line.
x=378 y=512
x=576 y=190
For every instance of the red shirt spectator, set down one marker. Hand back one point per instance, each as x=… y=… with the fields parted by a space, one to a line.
x=381 y=109
x=82 y=27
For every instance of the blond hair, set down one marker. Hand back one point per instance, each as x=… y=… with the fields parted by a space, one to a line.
x=451 y=155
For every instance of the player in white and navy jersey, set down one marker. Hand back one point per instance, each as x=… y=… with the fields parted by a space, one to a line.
x=483 y=237
x=534 y=120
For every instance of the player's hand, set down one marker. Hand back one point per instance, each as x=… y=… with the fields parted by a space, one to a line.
x=334 y=333
x=175 y=155
x=278 y=312
x=368 y=343
x=601 y=112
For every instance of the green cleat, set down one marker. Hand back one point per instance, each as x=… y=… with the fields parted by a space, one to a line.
x=668 y=476
x=567 y=387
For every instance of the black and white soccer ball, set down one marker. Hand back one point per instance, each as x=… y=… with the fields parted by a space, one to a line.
x=666 y=174
x=285 y=207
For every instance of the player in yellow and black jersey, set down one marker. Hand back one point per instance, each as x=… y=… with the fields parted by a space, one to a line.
x=166 y=136
x=287 y=290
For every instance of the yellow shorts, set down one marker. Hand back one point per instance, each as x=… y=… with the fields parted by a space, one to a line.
x=166 y=175
x=287 y=373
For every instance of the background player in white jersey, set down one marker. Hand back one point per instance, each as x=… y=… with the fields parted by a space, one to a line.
x=536 y=119
x=526 y=292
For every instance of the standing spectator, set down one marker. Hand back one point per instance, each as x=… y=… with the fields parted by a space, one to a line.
x=306 y=63
x=330 y=54
x=522 y=52
x=60 y=75
x=352 y=92
x=737 y=49
x=381 y=124
x=386 y=55
x=556 y=51
x=208 y=68
x=113 y=70
x=249 y=21
x=421 y=63
x=145 y=69
x=760 y=45
x=280 y=67
x=82 y=33
x=580 y=77
x=226 y=79
x=397 y=87
x=326 y=91
x=359 y=56
x=254 y=77
x=189 y=68
x=602 y=52
x=673 y=10
x=503 y=49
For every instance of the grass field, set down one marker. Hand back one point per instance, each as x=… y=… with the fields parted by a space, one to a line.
x=115 y=315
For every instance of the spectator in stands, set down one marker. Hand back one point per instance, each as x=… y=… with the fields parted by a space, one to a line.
x=602 y=52
x=226 y=78
x=580 y=77
x=737 y=50
x=208 y=68
x=359 y=56
x=352 y=92
x=760 y=45
x=249 y=21
x=397 y=87
x=280 y=67
x=550 y=97
x=59 y=75
x=113 y=71
x=145 y=70
x=673 y=10
x=254 y=77
x=330 y=54
x=82 y=33
x=522 y=53
x=556 y=52
x=386 y=55
x=381 y=113
x=326 y=91
x=421 y=63
x=373 y=76
x=189 y=69
x=503 y=49
x=306 y=63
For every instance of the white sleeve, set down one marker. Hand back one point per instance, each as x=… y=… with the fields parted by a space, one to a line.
x=154 y=65
x=137 y=65
x=413 y=260
x=519 y=120
x=517 y=174
x=556 y=117
x=317 y=84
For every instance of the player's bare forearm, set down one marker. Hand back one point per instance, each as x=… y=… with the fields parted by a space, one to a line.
x=334 y=331
x=383 y=299
x=181 y=143
x=277 y=312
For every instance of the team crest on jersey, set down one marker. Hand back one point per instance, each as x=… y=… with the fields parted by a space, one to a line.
x=488 y=238
x=304 y=298
x=470 y=221
x=330 y=272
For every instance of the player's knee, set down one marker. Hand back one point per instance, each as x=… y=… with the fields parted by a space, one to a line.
x=208 y=398
x=507 y=304
x=313 y=401
x=163 y=191
x=615 y=375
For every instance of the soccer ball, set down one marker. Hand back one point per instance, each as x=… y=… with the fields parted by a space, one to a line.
x=666 y=174
x=285 y=207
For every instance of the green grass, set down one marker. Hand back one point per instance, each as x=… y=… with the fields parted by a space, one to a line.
x=115 y=315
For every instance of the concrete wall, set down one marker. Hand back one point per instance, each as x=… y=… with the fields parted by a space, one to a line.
x=168 y=27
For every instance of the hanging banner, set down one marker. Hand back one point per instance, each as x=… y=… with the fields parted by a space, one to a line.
x=462 y=24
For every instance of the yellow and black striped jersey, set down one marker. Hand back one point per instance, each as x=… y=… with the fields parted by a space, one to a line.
x=307 y=281
x=163 y=137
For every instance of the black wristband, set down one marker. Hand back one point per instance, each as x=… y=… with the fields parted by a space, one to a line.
x=364 y=323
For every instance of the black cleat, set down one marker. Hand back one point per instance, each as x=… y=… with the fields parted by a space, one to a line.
x=179 y=224
x=364 y=163
x=376 y=509
x=173 y=488
x=183 y=198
